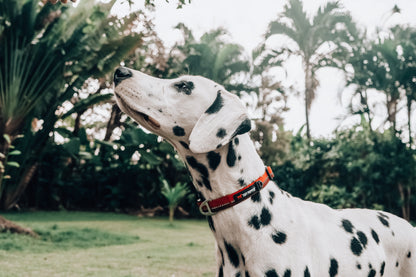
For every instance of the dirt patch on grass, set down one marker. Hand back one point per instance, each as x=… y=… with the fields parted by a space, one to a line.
x=8 y=226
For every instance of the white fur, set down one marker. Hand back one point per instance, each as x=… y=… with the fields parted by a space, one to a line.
x=314 y=232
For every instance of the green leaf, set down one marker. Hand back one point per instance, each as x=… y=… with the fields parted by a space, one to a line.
x=84 y=104
x=72 y=147
x=64 y=132
x=13 y=164
x=150 y=158
x=7 y=138
x=15 y=153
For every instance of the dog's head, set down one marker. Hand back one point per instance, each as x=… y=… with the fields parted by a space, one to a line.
x=191 y=111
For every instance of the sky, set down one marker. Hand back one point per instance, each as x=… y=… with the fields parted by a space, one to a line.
x=247 y=21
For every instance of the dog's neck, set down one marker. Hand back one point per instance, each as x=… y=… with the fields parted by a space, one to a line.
x=224 y=170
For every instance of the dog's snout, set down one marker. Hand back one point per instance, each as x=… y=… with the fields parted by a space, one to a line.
x=121 y=74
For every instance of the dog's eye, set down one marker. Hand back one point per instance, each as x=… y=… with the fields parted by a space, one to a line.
x=184 y=87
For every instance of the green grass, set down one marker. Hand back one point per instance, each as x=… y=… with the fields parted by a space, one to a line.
x=106 y=244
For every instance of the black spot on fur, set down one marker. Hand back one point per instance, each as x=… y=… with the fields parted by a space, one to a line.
x=256 y=197
x=202 y=169
x=383 y=215
x=279 y=237
x=231 y=157
x=347 y=225
x=383 y=219
x=178 y=131
x=241 y=182
x=383 y=265
x=247 y=275
x=271 y=273
x=236 y=141
x=219 y=145
x=238 y=274
x=397 y=264
x=221 y=133
x=216 y=105
x=265 y=216
x=409 y=254
x=184 y=87
x=356 y=247
x=363 y=238
x=214 y=159
x=232 y=254
x=372 y=273
x=243 y=259
x=254 y=222
x=333 y=268
x=207 y=183
x=287 y=273
x=306 y=272
x=272 y=195
x=184 y=144
x=211 y=223
x=359 y=266
x=220 y=272
x=244 y=127
x=375 y=236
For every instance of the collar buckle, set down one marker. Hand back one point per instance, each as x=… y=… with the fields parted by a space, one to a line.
x=208 y=211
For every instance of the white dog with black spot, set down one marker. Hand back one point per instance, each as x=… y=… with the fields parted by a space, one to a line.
x=260 y=230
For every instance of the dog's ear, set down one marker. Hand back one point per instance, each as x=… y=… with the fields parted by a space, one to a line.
x=221 y=122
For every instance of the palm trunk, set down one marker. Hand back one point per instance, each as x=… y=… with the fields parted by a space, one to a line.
x=11 y=198
x=308 y=86
x=409 y=117
x=171 y=214
x=405 y=199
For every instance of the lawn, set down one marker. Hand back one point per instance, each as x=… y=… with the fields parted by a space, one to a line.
x=106 y=244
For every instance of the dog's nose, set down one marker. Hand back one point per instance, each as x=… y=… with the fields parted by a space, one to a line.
x=121 y=74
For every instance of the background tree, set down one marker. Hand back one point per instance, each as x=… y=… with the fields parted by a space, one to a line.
x=174 y=195
x=315 y=39
x=267 y=103
x=384 y=66
x=212 y=57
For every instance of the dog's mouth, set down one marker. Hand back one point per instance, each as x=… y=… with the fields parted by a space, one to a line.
x=150 y=120
x=139 y=116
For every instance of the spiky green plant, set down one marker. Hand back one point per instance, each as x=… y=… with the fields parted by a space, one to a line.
x=174 y=195
x=47 y=52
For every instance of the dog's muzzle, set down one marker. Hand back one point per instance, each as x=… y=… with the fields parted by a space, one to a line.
x=121 y=74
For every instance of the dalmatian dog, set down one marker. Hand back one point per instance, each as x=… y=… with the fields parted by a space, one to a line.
x=270 y=233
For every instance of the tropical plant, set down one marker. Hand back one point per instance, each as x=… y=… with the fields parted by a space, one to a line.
x=385 y=66
x=315 y=40
x=174 y=195
x=47 y=53
x=212 y=57
x=267 y=104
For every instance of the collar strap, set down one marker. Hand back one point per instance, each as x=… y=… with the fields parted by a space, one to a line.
x=211 y=207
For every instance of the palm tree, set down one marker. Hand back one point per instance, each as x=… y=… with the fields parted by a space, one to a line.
x=406 y=37
x=174 y=195
x=316 y=39
x=387 y=65
x=213 y=58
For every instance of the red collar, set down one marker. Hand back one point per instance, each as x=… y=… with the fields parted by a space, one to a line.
x=211 y=207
